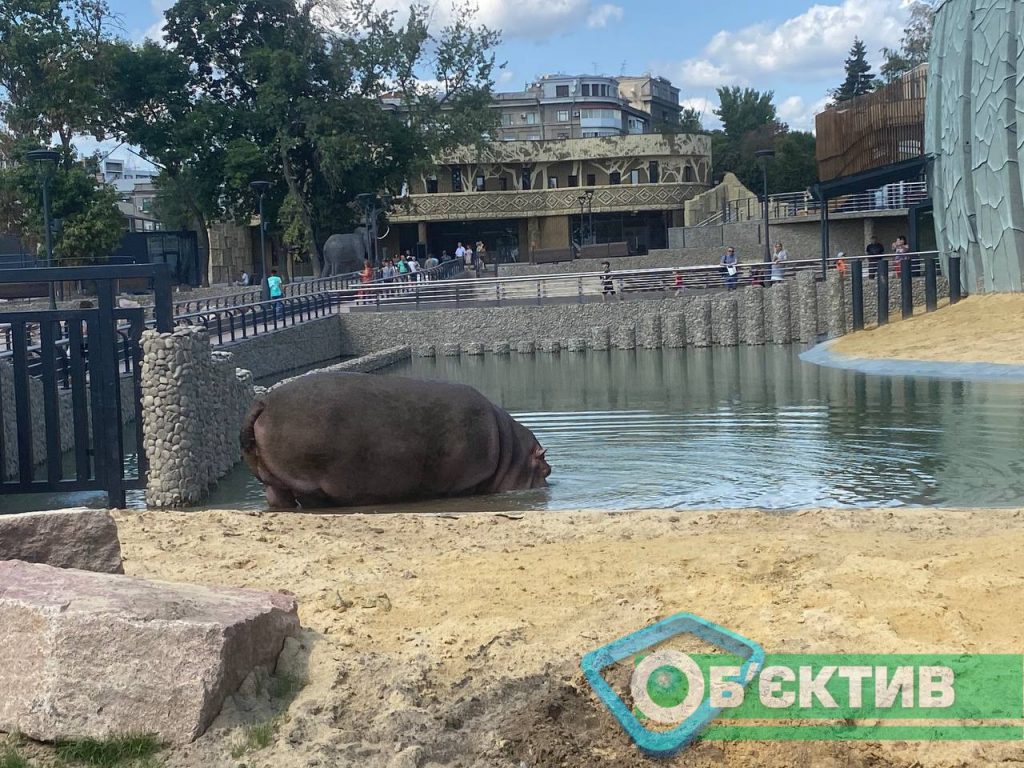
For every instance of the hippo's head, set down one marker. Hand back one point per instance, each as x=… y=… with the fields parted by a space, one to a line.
x=539 y=467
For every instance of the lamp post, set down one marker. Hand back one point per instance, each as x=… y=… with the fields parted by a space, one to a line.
x=261 y=188
x=764 y=155
x=45 y=161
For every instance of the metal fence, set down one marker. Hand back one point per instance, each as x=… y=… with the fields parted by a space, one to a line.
x=793 y=204
x=73 y=359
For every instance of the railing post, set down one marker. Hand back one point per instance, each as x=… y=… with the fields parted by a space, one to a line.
x=104 y=375
x=883 y=291
x=955 y=293
x=579 y=289
x=163 y=310
x=456 y=295
x=931 y=290
x=857 y=293
x=907 y=287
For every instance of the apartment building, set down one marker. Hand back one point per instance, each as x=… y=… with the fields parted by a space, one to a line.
x=576 y=159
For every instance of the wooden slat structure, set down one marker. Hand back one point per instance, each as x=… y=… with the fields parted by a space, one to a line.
x=875 y=130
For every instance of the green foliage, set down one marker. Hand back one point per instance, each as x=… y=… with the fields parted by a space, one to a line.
x=110 y=753
x=859 y=77
x=914 y=46
x=9 y=758
x=89 y=224
x=795 y=167
x=254 y=738
x=744 y=110
x=54 y=56
x=691 y=121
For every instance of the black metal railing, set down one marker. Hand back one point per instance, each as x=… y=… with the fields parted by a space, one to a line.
x=72 y=360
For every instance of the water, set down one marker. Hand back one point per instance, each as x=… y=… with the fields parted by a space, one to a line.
x=719 y=428
x=736 y=427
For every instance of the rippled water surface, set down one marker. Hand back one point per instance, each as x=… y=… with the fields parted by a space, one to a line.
x=739 y=427
x=747 y=426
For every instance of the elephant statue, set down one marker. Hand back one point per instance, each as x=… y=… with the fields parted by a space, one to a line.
x=345 y=253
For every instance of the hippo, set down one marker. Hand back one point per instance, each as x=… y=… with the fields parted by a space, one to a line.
x=338 y=439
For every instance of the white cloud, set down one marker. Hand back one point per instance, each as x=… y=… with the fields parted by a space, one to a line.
x=806 y=47
x=603 y=15
x=530 y=19
x=156 y=29
x=705 y=107
x=799 y=115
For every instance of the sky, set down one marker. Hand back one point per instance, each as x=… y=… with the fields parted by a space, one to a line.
x=794 y=48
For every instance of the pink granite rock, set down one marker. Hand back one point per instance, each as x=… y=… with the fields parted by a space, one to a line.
x=66 y=538
x=95 y=655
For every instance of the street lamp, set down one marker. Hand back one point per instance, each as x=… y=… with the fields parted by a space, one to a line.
x=764 y=155
x=261 y=188
x=45 y=161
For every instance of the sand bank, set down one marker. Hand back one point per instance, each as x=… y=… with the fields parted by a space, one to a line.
x=437 y=641
x=979 y=329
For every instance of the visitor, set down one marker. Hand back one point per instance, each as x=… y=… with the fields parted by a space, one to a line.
x=414 y=268
x=677 y=282
x=841 y=263
x=460 y=253
x=874 y=250
x=430 y=265
x=467 y=258
x=244 y=279
x=275 y=289
x=899 y=248
x=445 y=257
x=730 y=268
x=388 y=274
x=778 y=263
x=403 y=268
x=481 y=257
x=607 y=284
x=365 y=278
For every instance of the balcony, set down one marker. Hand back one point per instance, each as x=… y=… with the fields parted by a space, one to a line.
x=516 y=204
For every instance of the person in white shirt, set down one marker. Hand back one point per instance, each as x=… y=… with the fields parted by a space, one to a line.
x=779 y=263
x=460 y=253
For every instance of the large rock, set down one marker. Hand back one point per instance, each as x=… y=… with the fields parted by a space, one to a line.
x=68 y=538
x=96 y=655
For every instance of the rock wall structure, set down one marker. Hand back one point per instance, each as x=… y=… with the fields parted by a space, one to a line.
x=193 y=403
x=975 y=95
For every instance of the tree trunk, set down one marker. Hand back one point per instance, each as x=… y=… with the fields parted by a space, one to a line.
x=304 y=211
x=203 y=243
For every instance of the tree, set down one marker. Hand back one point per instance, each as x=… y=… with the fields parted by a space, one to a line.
x=89 y=224
x=859 y=78
x=742 y=111
x=54 y=57
x=914 y=46
x=691 y=121
x=795 y=167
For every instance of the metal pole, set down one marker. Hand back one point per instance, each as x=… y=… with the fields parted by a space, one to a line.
x=825 y=240
x=907 y=288
x=49 y=235
x=767 y=238
x=590 y=225
x=954 y=279
x=931 y=291
x=857 y=293
x=883 y=291
x=263 y=244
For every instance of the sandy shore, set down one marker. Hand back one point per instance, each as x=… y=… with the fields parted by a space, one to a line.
x=979 y=329
x=444 y=641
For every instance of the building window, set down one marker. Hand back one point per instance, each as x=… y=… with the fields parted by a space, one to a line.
x=563 y=135
x=688 y=174
x=432 y=185
x=531 y=118
x=526 y=178
x=634 y=177
x=562 y=91
x=147 y=205
x=586 y=89
x=456 y=180
x=503 y=183
x=481 y=184
x=533 y=137
x=614 y=177
x=563 y=115
x=574 y=181
x=506 y=119
x=591 y=180
x=552 y=182
x=653 y=172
